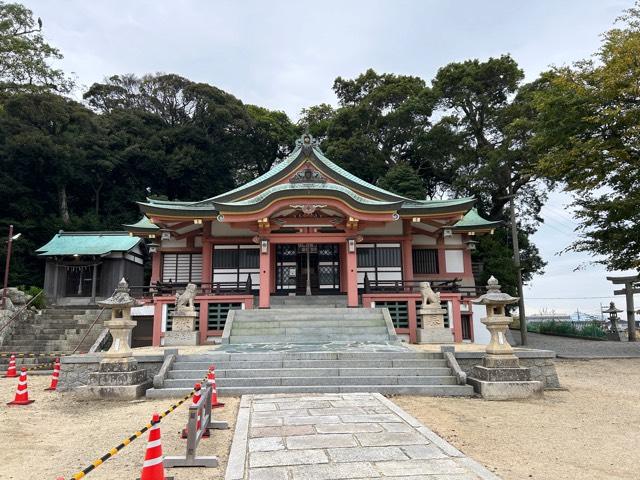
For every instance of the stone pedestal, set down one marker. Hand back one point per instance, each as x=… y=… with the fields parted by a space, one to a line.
x=433 y=329
x=117 y=380
x=500 y=377
x=183 y=329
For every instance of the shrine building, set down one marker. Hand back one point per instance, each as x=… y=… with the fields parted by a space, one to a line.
x=309 y=228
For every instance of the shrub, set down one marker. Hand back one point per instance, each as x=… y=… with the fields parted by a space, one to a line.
x=592 y=330
x=41 y=301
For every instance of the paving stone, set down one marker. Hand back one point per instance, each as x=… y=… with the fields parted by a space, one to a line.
x=286 y=431
x=317 y=420
x=321 y=441
x=422 y=452
x=397 y=468
x=351 y=427
x=266 y=444
x=337 y=411
x=397 y=427
x=268 y=473
x=389 y=439
x=366 y=454
x=287 y=457
x=267 y=422
x=299 y=405
x=299 y=412
x=334 y=471
x=263 y=407
x=372 y=418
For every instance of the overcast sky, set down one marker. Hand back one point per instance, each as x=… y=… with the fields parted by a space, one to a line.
x=285 y=55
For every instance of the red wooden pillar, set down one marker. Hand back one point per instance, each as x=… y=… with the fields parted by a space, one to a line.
x=156 y=266
x=207 y=257
x=413 y=320
x=157 y=324
x=407 y=255
x=352 y=274
x=342 y=251
x=265 y=277
x=203 y=320
x=457 y=319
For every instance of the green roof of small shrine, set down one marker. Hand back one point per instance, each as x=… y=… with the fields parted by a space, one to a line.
x=88 y=243
x=473 y=221
x=142 y=225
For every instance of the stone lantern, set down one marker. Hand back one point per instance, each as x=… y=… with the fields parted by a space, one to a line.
x=118 y=376
x=120 y=326
x=500 y=377
x=614 y=332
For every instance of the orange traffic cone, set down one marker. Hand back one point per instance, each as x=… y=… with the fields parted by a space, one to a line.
x=11 y=371
x=153 y=468
x=196 y=398
x=211 y=378
x=54 y=376
x=22 y=393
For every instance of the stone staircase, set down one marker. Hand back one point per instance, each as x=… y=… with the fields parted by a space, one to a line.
x=54 y=330
x=394 y=370
x=303 y=325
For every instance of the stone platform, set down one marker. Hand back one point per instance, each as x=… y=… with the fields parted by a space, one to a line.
x=339 y=436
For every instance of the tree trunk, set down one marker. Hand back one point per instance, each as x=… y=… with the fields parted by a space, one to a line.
x=62 y=203
x=97 y=191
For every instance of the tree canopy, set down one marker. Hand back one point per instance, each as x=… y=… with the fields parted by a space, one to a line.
x=589 y=128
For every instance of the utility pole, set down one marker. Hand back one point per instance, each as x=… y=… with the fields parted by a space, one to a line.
x=516 y=263
x=6 y=267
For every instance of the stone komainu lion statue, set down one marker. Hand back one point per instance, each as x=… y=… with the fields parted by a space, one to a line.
x=429 y=297
x=184 y=300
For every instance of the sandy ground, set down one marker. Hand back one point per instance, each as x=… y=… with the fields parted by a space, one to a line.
x=590 y=431
x=59 y=435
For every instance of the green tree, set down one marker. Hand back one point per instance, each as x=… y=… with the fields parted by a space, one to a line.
x=589 y=117
x=403 y=180
x=25 y=57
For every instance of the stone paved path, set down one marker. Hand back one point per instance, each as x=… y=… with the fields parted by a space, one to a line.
x=339 y=436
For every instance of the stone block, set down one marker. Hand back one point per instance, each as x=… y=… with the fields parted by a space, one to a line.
x=284 y=431
x=351 y=427
x=501 y=374
x=184 y=338
x=500 y=361
x=335 y=471
x=266 y=444
x=123 y=392
x=269 y=473
x=423 y=452
x=287 y=457
x=321 y=441
x=388 y=439
x=507 y=390
x=434 y=335
x=397 y=468
x=366 y=454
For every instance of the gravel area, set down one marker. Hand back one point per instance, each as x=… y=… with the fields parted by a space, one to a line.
x=567 y=347
x=59 y=435
x=589 y=431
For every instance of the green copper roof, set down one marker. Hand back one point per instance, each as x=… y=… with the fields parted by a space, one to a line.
x=308 y=189
x=473 y=221
x=88 y=243
x=142 y=225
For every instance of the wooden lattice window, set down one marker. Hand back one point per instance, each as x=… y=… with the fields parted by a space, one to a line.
x=425 y=261
x=399 y=312
x=218 y=314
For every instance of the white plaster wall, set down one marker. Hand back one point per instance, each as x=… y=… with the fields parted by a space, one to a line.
x=455 y=239
x=423 y=240
x=454 y=261
x=391 y=228
x=480 y=333
x=173 y=243
x=221 y=229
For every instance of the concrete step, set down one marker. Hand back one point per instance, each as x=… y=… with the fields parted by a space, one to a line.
x=304 y=339
x=179 y=367
x=328 y=372
x=309 y=315
x=307 y=381
x=310 y=331
x=425 y=390
x=288 y=323
x=217 y=356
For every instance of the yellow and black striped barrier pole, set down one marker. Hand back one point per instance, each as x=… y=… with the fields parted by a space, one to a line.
x=99 y=461
x=31 y=355
x=44 y=366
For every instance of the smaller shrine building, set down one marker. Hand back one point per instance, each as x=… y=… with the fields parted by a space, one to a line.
x=309 y=227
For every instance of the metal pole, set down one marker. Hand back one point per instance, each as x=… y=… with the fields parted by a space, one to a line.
x=516 y=263
x=631 y=316
x=6 y=267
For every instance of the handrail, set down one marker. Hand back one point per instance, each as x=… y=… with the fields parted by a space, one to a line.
x=88 y=330
x=215 y=288
x=413 y=286
x=15 y=315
